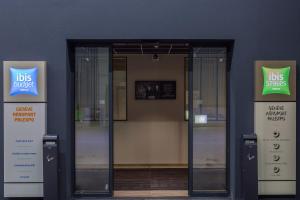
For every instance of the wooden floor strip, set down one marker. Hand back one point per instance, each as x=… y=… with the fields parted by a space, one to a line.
x=151 y=193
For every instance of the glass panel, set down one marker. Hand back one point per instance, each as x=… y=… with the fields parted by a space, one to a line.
x=92 y=120
x=186 y=89
x=209 y=119
x=119 y=65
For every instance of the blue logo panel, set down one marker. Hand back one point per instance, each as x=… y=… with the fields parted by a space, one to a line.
x=23 y=81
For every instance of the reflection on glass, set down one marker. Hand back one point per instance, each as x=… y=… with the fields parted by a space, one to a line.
x=186 y=89
x=209 y=119
x=119 y=65
x=91 y=120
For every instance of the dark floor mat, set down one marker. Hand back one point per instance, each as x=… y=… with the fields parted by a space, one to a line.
x=150 y=179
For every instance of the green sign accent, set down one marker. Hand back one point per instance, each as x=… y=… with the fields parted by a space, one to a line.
x=276 y=80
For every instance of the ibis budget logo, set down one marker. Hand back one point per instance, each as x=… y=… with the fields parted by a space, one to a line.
x=23 y=81
x=276 y=80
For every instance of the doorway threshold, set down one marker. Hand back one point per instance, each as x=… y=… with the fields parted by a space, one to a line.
x=150 y=193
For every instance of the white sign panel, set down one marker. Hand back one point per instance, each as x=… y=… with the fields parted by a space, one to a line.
x=275 y=126
x=24 y=127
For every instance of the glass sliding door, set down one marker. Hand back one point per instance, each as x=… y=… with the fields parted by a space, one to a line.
x=207 y=124
x=119 y=67
x=92 y=120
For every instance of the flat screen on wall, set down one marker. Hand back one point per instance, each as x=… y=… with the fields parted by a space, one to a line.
x=155 y=90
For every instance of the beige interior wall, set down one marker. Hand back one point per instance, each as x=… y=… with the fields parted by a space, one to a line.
x=155 y=132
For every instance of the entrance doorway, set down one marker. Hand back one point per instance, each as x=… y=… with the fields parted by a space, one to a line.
x=139 y=130
x=150 y=128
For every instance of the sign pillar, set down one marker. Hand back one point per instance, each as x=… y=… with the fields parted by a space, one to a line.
x=275 y=126
x=24 y=126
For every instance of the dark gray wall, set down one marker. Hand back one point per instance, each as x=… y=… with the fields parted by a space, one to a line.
x=37 y=30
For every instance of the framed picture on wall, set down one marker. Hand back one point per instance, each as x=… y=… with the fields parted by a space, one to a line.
x=155 y=90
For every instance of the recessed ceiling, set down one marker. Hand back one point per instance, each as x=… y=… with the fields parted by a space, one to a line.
x=151 y=48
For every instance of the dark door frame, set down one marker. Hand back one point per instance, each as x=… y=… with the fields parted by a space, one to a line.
x=71 y=53
x=73 y=43
x=229 y=50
